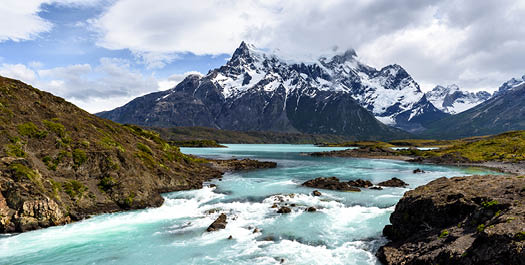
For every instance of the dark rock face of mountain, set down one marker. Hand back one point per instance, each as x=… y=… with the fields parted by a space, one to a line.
x=505 y=111
x=259 y=91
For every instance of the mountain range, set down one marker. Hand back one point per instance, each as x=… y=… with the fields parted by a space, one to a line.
x=258 y=90
x=452 y=100
x=336 y=94
x=505 y=111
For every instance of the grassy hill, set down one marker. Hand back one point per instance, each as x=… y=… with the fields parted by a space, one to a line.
x=59 y=163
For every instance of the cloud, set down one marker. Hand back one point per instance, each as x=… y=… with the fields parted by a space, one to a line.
x=18 y=71
x=108 y=85
x=174 y=79
x=477 y=44
x=112 y=78
x=20 y=19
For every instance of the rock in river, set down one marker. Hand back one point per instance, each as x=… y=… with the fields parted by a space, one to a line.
x=393 y=182
x=218 y=224
x=331 y=183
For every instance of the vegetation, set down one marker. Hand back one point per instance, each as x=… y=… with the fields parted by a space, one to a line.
x=74 y=188
x=144 y=148
x=79 y=157
x=29 y=129
x=250 y=137
x=360 y=144
x=196 y=143
x=55 y=127
x=508 y=146
x=107 y=183
x=21 y=171
x=444 y=233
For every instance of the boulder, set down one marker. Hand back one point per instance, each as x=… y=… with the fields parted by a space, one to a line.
x=393 y=182
x=418 y=170
x=316 y=193
x=218 y=224
x=461 y=220
x=331 y=183
x=284 y=209
x=311 y=209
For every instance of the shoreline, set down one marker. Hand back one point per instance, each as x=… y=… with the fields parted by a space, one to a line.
x=512 y=168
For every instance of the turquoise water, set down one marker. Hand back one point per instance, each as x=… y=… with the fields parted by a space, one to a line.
x=346 y=229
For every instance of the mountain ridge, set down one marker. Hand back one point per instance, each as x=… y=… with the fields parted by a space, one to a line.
x=289 y=97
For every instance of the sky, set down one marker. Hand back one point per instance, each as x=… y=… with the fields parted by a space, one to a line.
x=100 y=54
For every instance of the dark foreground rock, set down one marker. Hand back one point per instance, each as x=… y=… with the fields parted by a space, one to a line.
x=394 y=182
x=331 y=183
x=284 y=209
x=462 y=220
x=218 y=224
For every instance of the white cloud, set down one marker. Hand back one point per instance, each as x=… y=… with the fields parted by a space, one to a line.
x=18 y=71
x=437 y=41
x=20 y=20
x=108 y=85
x=174 y=79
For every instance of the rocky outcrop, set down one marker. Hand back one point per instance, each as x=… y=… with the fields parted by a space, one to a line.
x=331 y=183
x=218 y=224
x=240 y=164
x=393 y=182
x=461 y=220
x=364 y=152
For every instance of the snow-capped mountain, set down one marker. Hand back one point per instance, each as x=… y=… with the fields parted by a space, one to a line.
x=258 y=90
x=451 y=99
x=510 y=85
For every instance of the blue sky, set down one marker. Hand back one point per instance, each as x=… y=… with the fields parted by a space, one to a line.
x=100 y=54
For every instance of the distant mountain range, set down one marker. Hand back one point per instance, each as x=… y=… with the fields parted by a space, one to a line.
x=257 y=90
x=336 y=94
x=505 y=111
x=452 y=100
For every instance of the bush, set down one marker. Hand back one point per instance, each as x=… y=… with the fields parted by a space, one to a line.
x=144 y=148
x=74 y=188
x=79 y=157
x=29 y=129
x=55 y=127
x=444 y=233
x=107 y=183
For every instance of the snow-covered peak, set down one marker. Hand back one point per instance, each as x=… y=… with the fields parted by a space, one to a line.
x=511 y=84
x=451 y=99
x=387 y=93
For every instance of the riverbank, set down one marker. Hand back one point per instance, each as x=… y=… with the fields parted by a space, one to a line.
x=461 y=220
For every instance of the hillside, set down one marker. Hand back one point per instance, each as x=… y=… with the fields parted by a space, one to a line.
x=59 y=163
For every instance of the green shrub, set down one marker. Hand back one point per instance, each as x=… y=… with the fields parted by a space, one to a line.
x=107 y=183
x=144 y=148
x=15 y=150
x=480 y=228
x=20 y=172
x=74 y=188
x=444 y=233
x=55 y=127
x=520 y=236
x=79 y=157
x=489 y=204
x=29 y=129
